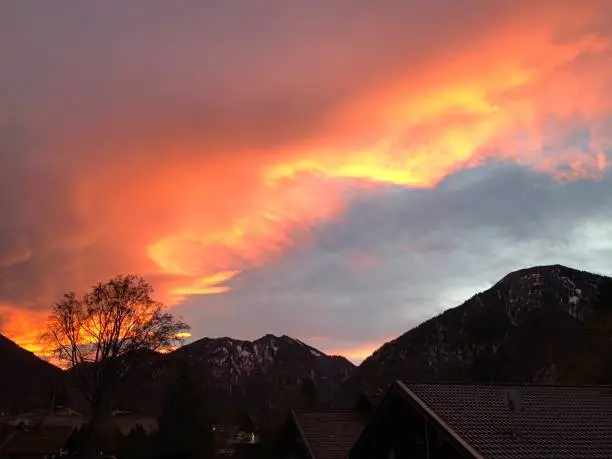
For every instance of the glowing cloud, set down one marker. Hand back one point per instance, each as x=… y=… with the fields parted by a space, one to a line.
x=190 y=211
x=24 y=327
x=508 y=103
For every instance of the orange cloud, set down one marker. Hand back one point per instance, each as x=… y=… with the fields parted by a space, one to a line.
x=15 y=258
x=24 y=327
x=357 y=354
x=493 y=102
x=191 y=221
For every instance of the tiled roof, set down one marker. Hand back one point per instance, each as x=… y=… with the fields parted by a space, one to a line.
x=330 y=434
x=560 y=422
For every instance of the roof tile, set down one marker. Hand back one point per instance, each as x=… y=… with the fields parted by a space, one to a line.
x=560 y=422
x=330 y=434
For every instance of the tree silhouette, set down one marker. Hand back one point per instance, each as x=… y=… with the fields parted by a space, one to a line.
x=136 y=445
x=185 y=431
x=592 y=360
x=598 y=327
x=93 y=336
x=309 y=394
x=481 y=348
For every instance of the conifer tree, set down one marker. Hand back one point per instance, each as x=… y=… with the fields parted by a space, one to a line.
x=185 y=431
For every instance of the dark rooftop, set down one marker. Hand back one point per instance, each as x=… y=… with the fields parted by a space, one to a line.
x=330 y=434
x=39 y=440
x=528 y=421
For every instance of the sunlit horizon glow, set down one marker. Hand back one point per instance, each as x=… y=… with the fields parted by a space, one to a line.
x=510 y=96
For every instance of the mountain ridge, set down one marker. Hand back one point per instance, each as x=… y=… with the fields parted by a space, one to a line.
x=508 y=278
x=264 y=377
x=32 y=380
x=522 y=329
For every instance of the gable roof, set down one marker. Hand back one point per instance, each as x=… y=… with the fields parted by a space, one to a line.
x=549 y=421
x=329 y=434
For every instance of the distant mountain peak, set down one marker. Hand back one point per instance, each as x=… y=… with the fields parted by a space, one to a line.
x=267 y=374
x=556 y=270
x=268 y=337
x=525 y=324
x=260 y=353
x=571 y=290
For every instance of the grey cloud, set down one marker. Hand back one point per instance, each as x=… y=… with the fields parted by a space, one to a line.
x=228 y=74
x=430 y=250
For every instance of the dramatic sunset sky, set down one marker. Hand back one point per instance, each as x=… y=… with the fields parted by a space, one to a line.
x=333 y=170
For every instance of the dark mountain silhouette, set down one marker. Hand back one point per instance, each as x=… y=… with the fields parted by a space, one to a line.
x=526 y=328
x=27 y=381
x=529 y=327
x=262 y=377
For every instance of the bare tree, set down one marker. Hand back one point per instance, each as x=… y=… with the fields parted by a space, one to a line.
x=94 y=335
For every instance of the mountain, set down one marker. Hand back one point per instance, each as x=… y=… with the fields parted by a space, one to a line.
x=531 y=326
x=526 y=328
x=26 y=381
x=262 y=377
x=233 y=377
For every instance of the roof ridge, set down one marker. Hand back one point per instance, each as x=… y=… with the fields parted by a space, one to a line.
x=435 y=417
x=505 y=384
x=333 y=410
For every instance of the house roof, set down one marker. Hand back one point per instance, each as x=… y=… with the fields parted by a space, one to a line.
x=329 y=434
x=40 y=440
x=547 y=421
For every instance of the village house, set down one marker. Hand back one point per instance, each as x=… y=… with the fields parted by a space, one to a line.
x=247 y=431
x=319 y=434
x=239 y=440
x=485 y=421
x=41 y=433
x=34 y=441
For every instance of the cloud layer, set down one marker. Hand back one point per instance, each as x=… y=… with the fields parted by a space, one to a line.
x=284 y=167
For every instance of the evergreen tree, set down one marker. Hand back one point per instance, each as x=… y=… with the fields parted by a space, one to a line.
x=309 y=394
x=592 y=360
x=599 y=334
x=136 y=445
x=185 y=431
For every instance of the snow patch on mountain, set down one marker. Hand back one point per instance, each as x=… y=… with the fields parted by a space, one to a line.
x=240 y=359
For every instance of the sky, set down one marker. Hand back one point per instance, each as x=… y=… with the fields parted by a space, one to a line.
x=333 y=170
